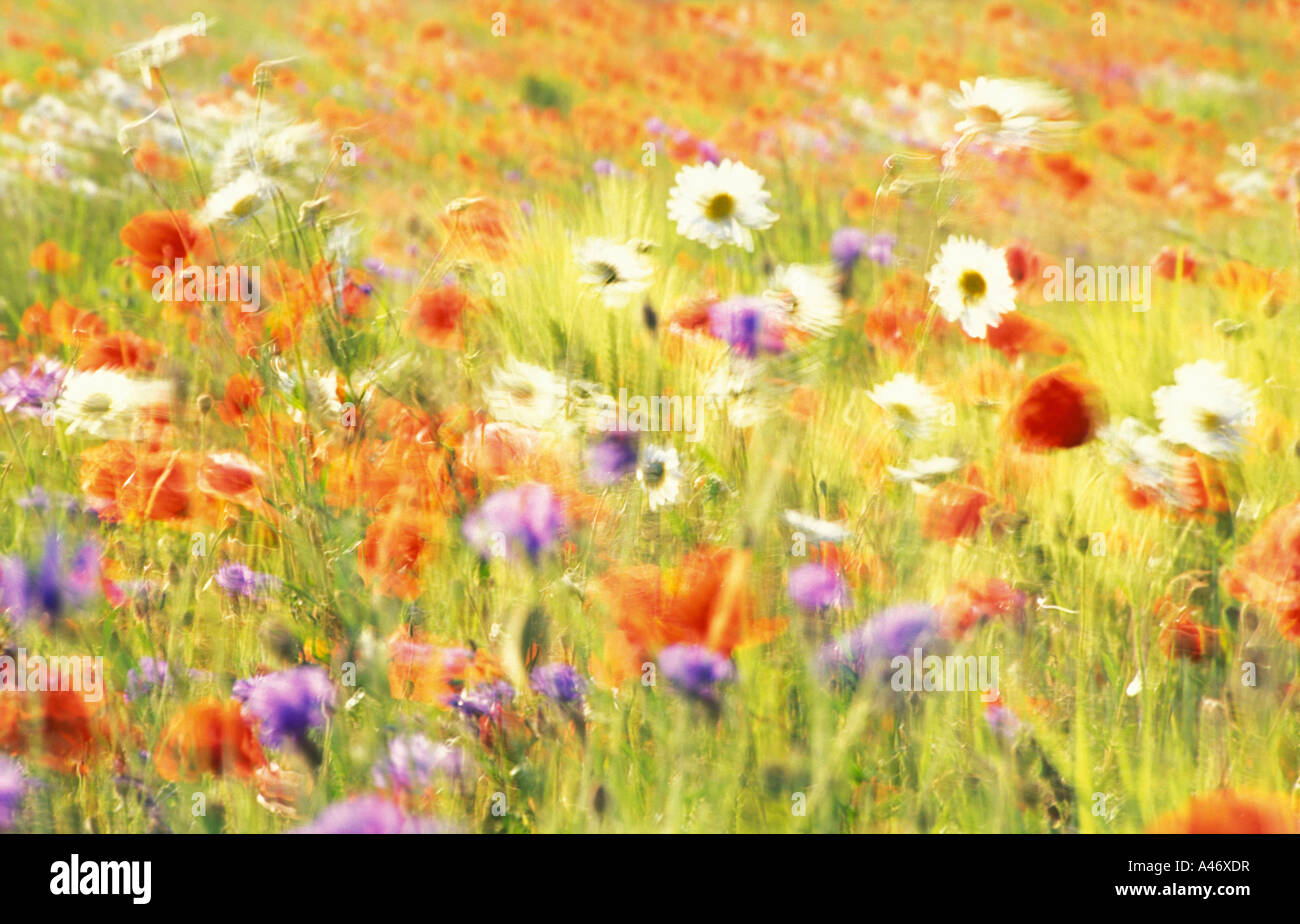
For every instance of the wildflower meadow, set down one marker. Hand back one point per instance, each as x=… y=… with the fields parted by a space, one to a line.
x=667 y=417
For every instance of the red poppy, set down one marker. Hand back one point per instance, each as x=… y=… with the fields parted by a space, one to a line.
x=953 y=511
x=1058 y=410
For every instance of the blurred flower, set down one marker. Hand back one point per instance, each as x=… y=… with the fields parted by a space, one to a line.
x=913 y=409
x=559 y=682
x=1266 y=571
x=807 y=298
x=953 y=511
x=749 y=324
x=1206 y=410
x=238 y=200
x=618 y=271
x=148 y=674
x=52 y=587
x=108 y=405
x=1012 y=113
x=720 y=204
x=613 y=458
x=1227 y=812
x=14 y=785
x=370 y=815
x=696 y=671
x=869 y=649
x=660 y=473
x=208 y=737
x=483 y=700
x=1059 y=409
x=27 y=393
x=848 y=245
x=528 y=518
x=239 y=580
x=971 y=285
x=814 y=529
x=815 y=587
x=413 y=762
x=287 y=704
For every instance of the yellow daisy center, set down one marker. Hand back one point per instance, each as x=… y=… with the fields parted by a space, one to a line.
x=972 y=285
x=720 y=207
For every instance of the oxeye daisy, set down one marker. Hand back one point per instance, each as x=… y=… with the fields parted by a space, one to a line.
x=807 y=297
x=108 y=404
x=618 y=271
x=913 y=407
x=1205 y=409
x=528 y=395
x=971 y=285
x=238 y=200
x=660 y=473
x=1012 y=113
x=718 y=204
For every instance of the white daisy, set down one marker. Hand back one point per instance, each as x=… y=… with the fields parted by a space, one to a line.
x=921 y=471
x=1012 y=113
x=815 y=529
x=164 y=47
x=808 y=295
x=913 y=407
x=525 y=394
x=720 y=204
x=971 y=285
x=284 y=152
x=660 y=473
x=237 y=200
x=1205 y=409
x=619 y=271
x=736 y=387
x=107 y=404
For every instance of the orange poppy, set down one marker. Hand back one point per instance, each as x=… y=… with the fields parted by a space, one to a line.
x=435 y=316
x=209 y=736
x=159 y=239
x=704 y=601
x=122 y=350
x=953 y=511
x=976 y=600
x=1227 y=812
x=121 y=481
x=1018 y=333
x=49 y=257
x=396 y=549
x=241 y=395
x=60 y=723
x=1266 y=571
x=425 y=671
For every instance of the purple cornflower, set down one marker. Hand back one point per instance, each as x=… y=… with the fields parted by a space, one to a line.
x=848 y=245
x=13 y=789
x=614 y=457
x=870 y=648
x=696 y=670
x=529 y=517
x=708 y=152
x=559 y=682
x=144 y=677
x=486 y=699
x=655 y=125
x=29 y=392
x=815 y=587
x=239 y=580
x=288 y=703
x=52 y=586
x=413 y=762
x=370 y=814
x=603 y=167
x=1002 y=721
x=747 y=324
